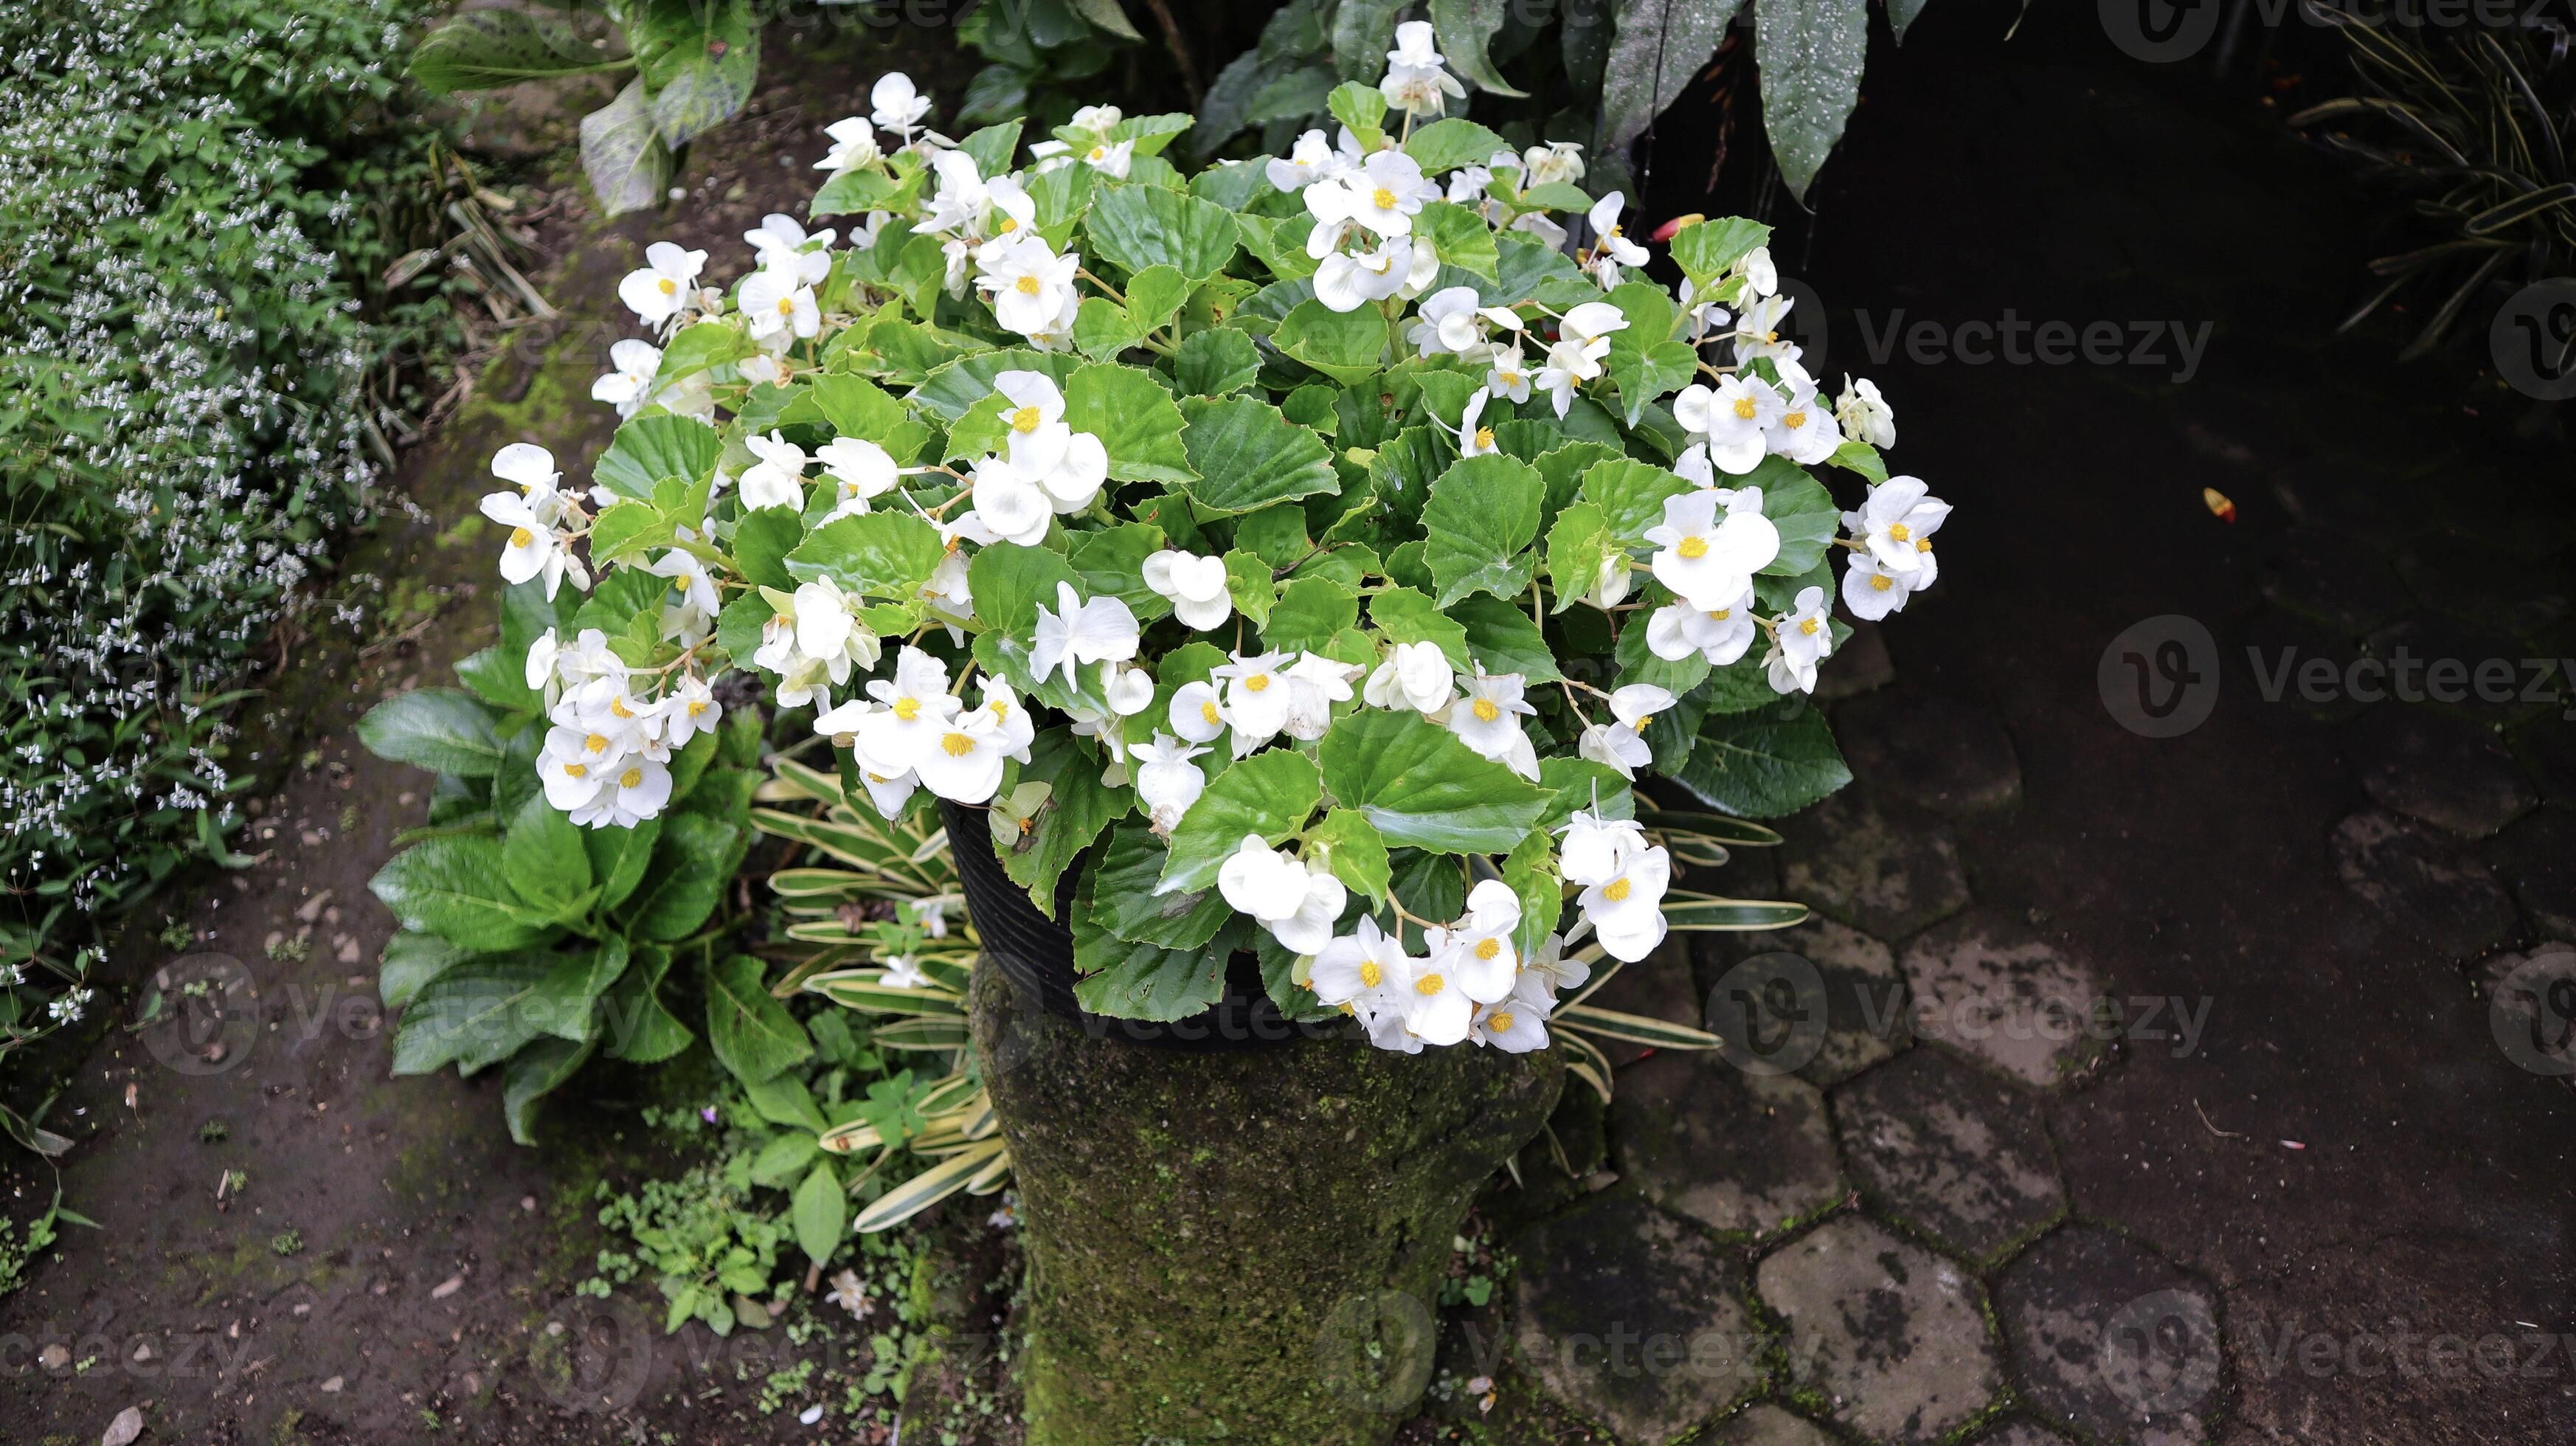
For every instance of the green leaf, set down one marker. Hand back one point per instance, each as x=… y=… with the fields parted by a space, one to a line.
x=1483 y=512
x=953 y=386
x=618 y=857
x=476 y=1014
x=1010 y=582
x=1135 y=420
x=1578 y=547
x=1101 y=328
x=1760 y=765
x=762 y=539
x=543 y=854
x=412 y=959
x=1352 y=103
x=1502 y=639
x=1142 y=226
x=703 y=86
x=440 y=729
x=1276 y=534
x=857 y=407
x=1631 y=495
x=626 y=529
x=1556 y=196
x=457 y=887
x=821 y=1212
x=1446 y=145
x=640 y=1027
x=1530 y=870
x=1563 y=464
x=1803 y=511
x=1309 y=611
x=1354 y=850
x=1809 y=54
x=1246 y=455
x=1862 y=458
x=1215 y=363
x=1348 y=346
x=1074 y=814
x=1421 y=786
x=854 y=191
x=1465 y=28
x=1155 y=296
x=648 y=449
x=1111 y=563
x=1128 y=980
x=533 y=1073
x=1643 y=376
x=885 y=554
x=489 y=49
x=1460 y=237
x=1580 y=783
x=1407 y=616
x=1705 y=250
x=1124 y=902
x=751 y=1033
x=785 y=1159
x=623 y=155
x=691 y=867
x=1269 y=794
x=992 y=147
x=1248 y=582
x=1660 y=45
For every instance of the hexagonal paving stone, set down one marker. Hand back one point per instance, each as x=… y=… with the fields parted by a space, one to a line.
x=1888 y=1331
x=2426 y=886
x=1856 y=667
x=1632 y=1318
x=2444 y=770
x=2333 y=579
x=2456 y=574
x=1768 y=1425
x=1950 y=1151
x=2531 y=1006
x=2537 y=858
x=1735 y=1151
x=1659 y=986
x=1987 y=985
x=2022 y=1433
x=2110 y=1338
x=1948 y=756
x=2436 y=659
x=1886 y=866
x=1766 y=1008
x=2286 y=645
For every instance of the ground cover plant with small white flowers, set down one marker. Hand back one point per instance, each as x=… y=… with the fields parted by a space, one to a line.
x=1305 y=542
x=199 y=194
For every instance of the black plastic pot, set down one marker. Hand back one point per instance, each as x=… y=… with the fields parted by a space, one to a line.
x=1035 y=953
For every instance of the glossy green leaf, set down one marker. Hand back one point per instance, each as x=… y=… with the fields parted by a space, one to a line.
x=1421 y=786
x=751 y=1033
x=1269 y=794
x=1480 y=520
x=440 y=729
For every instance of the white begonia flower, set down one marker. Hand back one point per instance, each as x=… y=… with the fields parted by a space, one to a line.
x=915 y=709
x=858 y=470
x=892 y=795
x=1506 y=378
x=634 y=791
x=1315 y=684
x=1256 y=699
x=1800 y=638
x=1708 y=557
x=957 y=205
x=1037 y=434
x=690 y=619
x=824 y=624
x=1196 y=713
x=1549 y=972
x=1416 y=81
x=1720 y=635
x=1872 y=592
x=1421 y=271
x=1896 y=523
x=540 y=665
x=571 y=775
x=531 y=469
x=634 y=363
x=1611 y=248
x=1310 y=160
x=1488 y=720
x=1111 y=159
x=1448 y=322
x=1474 y=439
x=1436 y=1009
x=688 y=710
x=1467 y=184
x=964 y=762
x=782 y=244
x=1569 y=362
x=1757 y=332
x=1626 y=909
x=588 y=657
x=664 y=285
x=1016 y=728
x=1759 y=272
x=1555 y=161
x=1028 y=283
x=896 y=105
x=1268 y=884
x=1167 y=782
x=1010 y=504
x=1412 y=675
x=1864 y=414
x=842 y=722
x=902 y=971
x=1098 y=120
x=1516 y=1023
x=1620 y=743
x=854 y=144
x=1593 y=321
x=1634 y=703
x=1365 y=971
x=1704 y=313
x=1129 y=690
x=1597 y=848
x=1347 y=281
x=1011 y=210
x=532 y=549
x=775 y=302
x=1382 y=195
x=1078 y=476
x=1733 y=419
x=1196 y=586
x=1310 y=929
x=1478 y=949
x=778 y=478
x=1102 y=630
x=1804 y=432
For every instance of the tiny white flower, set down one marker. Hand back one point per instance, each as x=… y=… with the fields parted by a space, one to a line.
x=1347 y=281
x=1720 y=635
x=541 y=659
x=635 y=790
x=1028 y=283
x=1592 y=321
x=1800 y=639
x=1733 y=419
x=1195 y=713
x=1757 y=332
x=965 y=759
x=1167 y=782
x=1626 y=909
x=780 y=242
x=854 y=144
x=1412 y=675
x=1195 y=584
x=778 y=478
x=1366 y=971
x=1804 y=432
x=1555 y=161
x=1010 y=503
x=691 y=709
x=902 y=971
x=663 y=286
x=896 y=105
x=1099 y=631
x=1611 y=248
x=1597 y=848
x=1478 y=950
x=1865 y=414
x=1896 y=524
x=858 y=470
x=632 y=364
x=1488 y=720
x=914 y=709
x=1872 y=592
x=777 y=302
x=1256 y=699
x=1315 y=684
x=1267 y=883
x=1507 y=378
x=1708 y=557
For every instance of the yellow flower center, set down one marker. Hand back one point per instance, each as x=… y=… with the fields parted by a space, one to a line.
x=1794 y=419
x=1485 y=710
x=957 y=745
x=1486 y=949
x=1429 y=984
x=1485 y=438
x=1810 y=627
x=1693 y=547
x=1208 y=712
x=576 y=770
x=1616 y=891
x=1923 y=544
x=1001 y=709
x=1005 y=224
x=669 y=287
x=596 y=743
x=1028 y=285
x=1258 y=683
x=1026 y=419
x=907 y=709
x=1371 y=975
x=1510 y=379
x=1099 y=153
x=521 y=537
x=787 y=306
x=1744 y=408
x=1722 y=614
x=1898 y=532
x=1499 y=1024
x=618 y=708
x=631 y=778
x=1384 y=198
x=696 y=707
x=1881 y=582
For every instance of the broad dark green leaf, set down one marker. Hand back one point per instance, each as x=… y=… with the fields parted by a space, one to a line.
x=457 y=887
x=1247 y=455
x=1269 y=794
x=1124 y=902
x=1422 y=787
x=440 y=729
x=1478 y=525
x=1762 y=765
x=751 y=1033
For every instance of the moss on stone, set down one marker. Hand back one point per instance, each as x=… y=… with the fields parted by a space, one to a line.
x=1239 y=1246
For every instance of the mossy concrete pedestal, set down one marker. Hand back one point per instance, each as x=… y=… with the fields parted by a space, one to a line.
x=1239 y=1246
